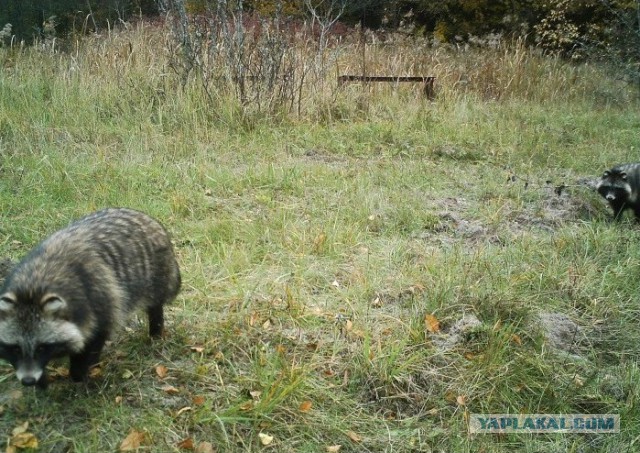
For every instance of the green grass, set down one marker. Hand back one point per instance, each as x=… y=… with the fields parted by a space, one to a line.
x=312 y=247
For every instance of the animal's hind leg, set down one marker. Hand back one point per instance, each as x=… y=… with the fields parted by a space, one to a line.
x=156 y=321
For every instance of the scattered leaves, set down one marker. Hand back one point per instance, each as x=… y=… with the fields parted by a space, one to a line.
x=333 y=448
x=472 y=356
x=246 y=406
x=21 y=439
x=20 y=429
x=62 y=372
x=354 y=436
x=186 y=444
x=170 y=389
x=198 y=400
x=205 y=447
x=162 y=371
x=265 y=439
x=198 y=349
x=95 y=372
x=450 y=396
x=133 y=441
x=431 y=323
x=516 y=339
x=24 y=440
x=461 y=400
x=255 y=394
x=305 y=406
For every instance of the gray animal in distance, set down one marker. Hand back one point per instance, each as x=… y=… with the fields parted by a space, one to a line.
x=620 y=186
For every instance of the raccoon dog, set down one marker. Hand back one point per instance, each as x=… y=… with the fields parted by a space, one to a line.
x=620 y=186
x=73 y=289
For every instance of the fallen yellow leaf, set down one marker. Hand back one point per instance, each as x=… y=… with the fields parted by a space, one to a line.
x=255 y=394
x=20 y=429
x=186 y=444
x=247 y=405
x=95 y=372
x=354 y=436
x=24 y=440
x=334 y=448
x=133 y=441
x=265 y=439
x=162 y=371
x=205 y=447
x=450 y=396
x=305 y=406
x=516 y=339
x=431 y=323
x=170 y=389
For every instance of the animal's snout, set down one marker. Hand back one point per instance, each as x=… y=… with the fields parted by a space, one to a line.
x=610 y=197
x=29 y=381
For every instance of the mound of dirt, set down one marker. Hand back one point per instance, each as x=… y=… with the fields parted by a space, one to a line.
x=553 y=206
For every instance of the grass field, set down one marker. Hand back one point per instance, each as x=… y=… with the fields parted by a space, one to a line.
x=318 y=249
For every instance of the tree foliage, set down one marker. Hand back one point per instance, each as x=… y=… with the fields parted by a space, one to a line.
x=31 y=19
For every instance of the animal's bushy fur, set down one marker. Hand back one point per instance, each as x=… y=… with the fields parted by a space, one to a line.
x=72 y=290
x=620 y=186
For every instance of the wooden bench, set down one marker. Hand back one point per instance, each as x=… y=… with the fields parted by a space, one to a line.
x=428 y=81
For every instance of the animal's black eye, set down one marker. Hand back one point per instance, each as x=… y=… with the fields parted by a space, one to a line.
x=50 y=349
x=11 y=348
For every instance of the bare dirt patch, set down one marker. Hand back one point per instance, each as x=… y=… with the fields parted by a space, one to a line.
x=552 y=207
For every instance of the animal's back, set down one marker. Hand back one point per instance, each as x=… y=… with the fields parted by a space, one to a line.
x=115 y=243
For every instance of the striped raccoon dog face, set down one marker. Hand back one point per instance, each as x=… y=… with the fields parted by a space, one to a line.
x=614 y=186
x=34 y=330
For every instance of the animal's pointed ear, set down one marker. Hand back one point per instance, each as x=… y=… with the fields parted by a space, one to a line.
x=623 y=175
x=7 y=303
x=53 y=305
